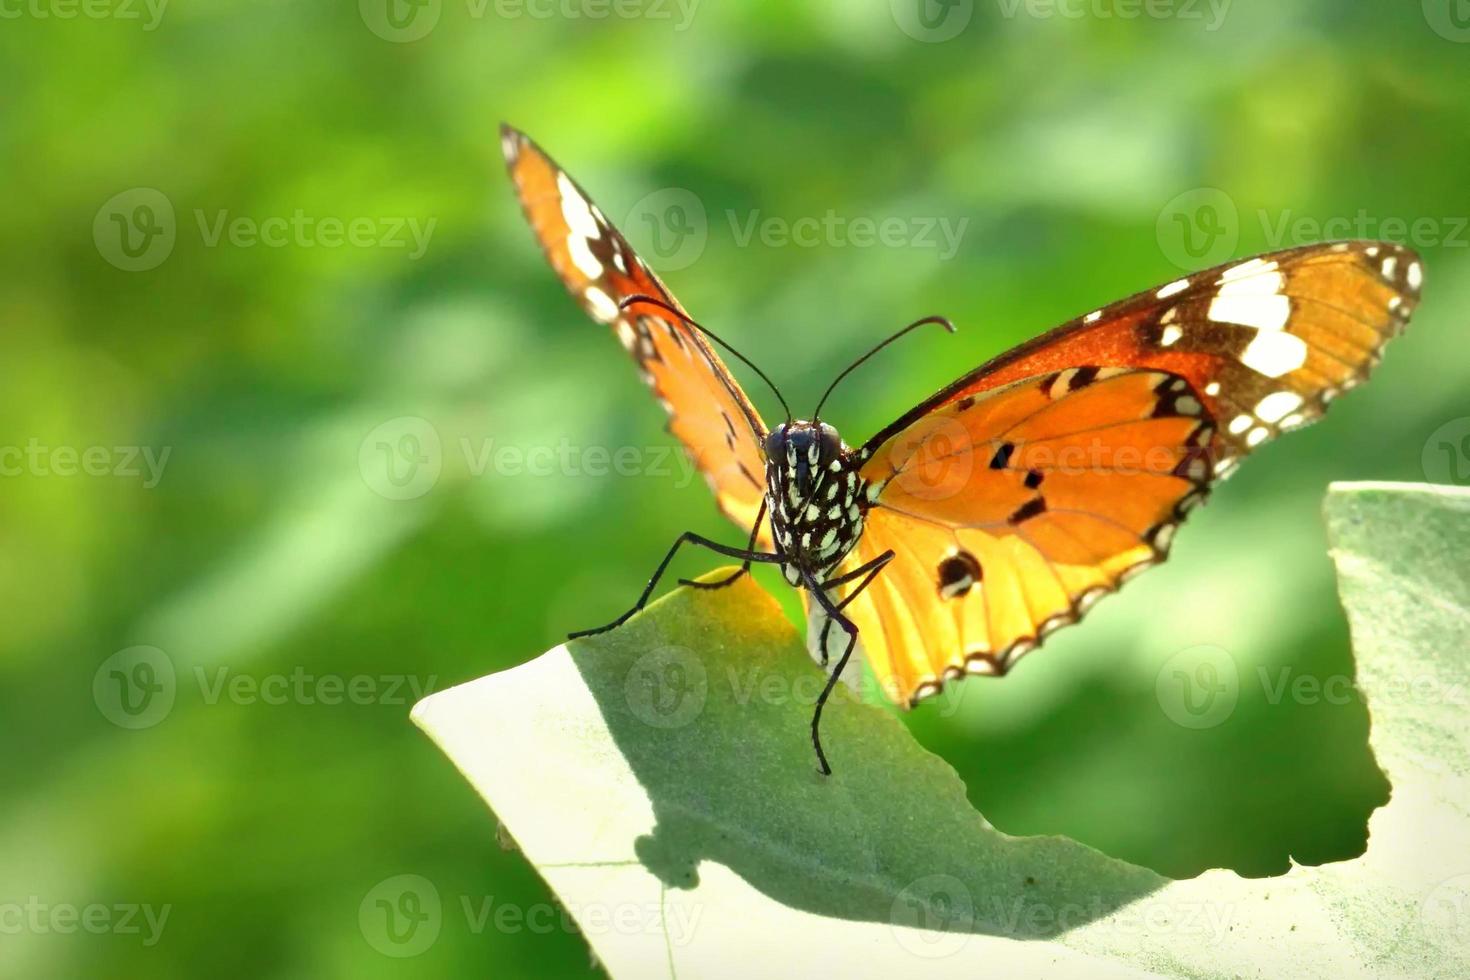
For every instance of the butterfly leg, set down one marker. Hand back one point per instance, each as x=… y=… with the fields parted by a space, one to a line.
x=744 y=567
x=833 y=611
x=870 y=569
x=691 y=538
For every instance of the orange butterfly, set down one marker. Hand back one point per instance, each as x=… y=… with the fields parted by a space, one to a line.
x=1001 y=508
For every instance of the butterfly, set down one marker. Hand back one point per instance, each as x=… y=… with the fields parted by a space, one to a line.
x=1001 y=508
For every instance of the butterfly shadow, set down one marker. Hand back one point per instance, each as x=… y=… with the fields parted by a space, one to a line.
x=708 y=697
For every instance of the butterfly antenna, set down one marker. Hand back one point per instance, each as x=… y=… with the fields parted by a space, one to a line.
x=942 y=321
x=711 y=335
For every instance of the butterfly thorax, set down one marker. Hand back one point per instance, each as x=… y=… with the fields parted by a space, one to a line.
x=814 y=496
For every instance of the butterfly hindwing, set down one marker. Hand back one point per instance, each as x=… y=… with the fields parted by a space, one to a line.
x=708 y=411
x=1011 y=511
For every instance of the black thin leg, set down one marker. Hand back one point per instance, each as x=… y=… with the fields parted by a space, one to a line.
x=745 y=566
x=833 y=613
x=692 y=538
x=870 y=569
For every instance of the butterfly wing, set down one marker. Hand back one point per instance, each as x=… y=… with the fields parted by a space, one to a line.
x=1029 y=488
x=708 y=411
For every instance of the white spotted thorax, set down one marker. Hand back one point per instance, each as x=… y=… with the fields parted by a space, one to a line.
x=814 y=496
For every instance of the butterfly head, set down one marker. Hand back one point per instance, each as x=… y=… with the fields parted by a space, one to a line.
x=801 y=451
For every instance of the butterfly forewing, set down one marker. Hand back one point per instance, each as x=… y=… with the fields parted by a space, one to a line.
x=1267 y=342
x=708 y=411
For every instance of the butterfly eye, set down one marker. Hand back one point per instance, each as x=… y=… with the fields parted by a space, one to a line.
x=776 y=443
x=831 y=443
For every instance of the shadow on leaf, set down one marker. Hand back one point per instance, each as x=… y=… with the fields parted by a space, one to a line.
x=708 y=695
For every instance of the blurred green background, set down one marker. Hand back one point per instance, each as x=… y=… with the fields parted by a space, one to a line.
x=210 y=253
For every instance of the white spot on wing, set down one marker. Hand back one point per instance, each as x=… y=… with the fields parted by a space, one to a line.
x=1092 y=316
x=574 y=209
x=1415 y=275
x=603 y=308
x=1177 y=286
x=582 y=257
x=1250 y=295
x=1273 y=353
x=1251 y=268
x=1277 y=405
x=1171 y=335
